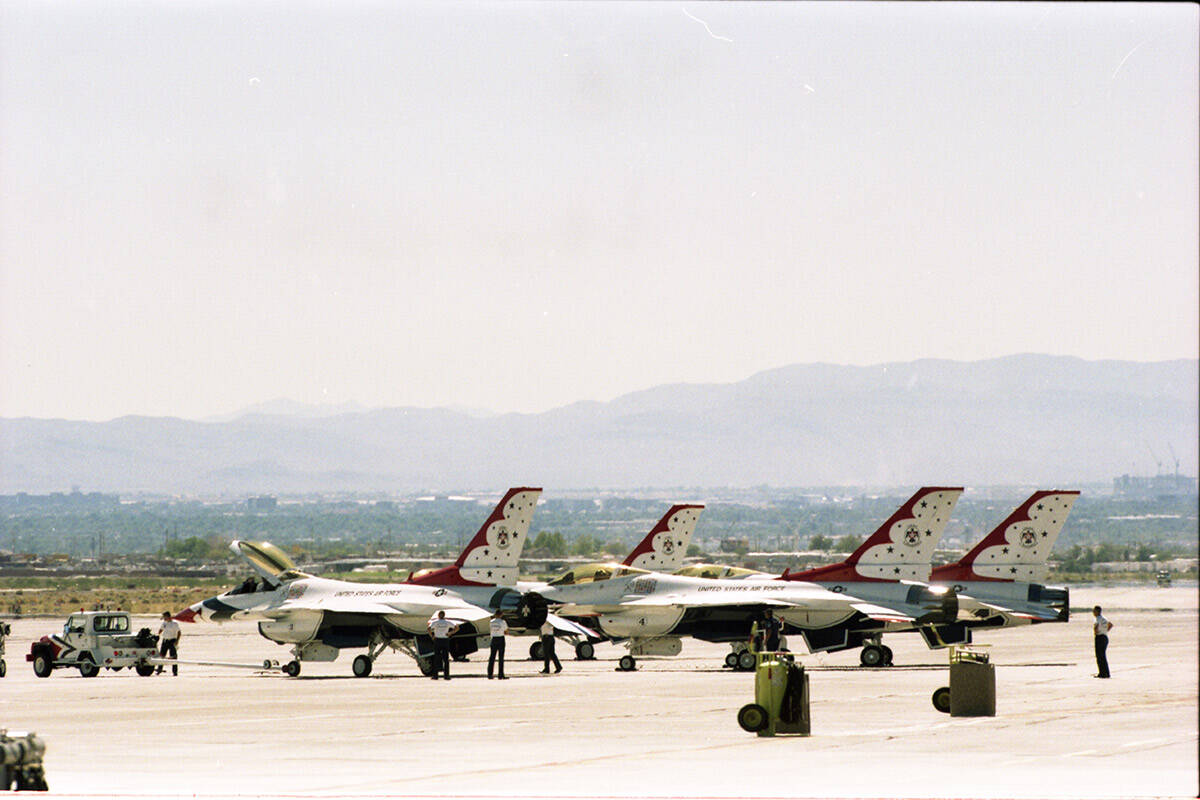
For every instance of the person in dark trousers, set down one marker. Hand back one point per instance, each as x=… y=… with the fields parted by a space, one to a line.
x=168 y=641
x=498 y=628
x=441 y=629
x=548 y=650
x=1101 y=627
x=771 y=628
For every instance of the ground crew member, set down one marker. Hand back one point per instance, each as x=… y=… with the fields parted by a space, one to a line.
x=168 y=641
x=441 y=629
x=548 y=649
x=1101 y=627
x=498 y=628
x=771 y=628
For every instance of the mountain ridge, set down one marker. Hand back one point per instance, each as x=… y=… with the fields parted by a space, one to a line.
x=1022 y=419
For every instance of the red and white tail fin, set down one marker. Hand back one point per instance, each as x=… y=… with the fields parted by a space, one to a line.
x=491 y=557
x=665 y=546
x=1017 y=548
x=901 y=548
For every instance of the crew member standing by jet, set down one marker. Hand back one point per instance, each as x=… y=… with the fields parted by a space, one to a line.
x=548 y=649
x=771 y=629
x=168 y=641
x=441 y=629
x=1101 y=627
x=498 y=628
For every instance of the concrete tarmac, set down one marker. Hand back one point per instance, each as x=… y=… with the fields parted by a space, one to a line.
x=668 y=730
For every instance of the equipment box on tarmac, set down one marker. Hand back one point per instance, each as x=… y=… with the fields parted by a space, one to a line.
x=780 y=698
x=972 y=690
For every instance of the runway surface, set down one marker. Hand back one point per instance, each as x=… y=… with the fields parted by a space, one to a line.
x=668 y=730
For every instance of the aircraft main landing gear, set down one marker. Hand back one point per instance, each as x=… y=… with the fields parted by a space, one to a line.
x=876 y=655
x=361 y=666
x=627 y=664
x=584 y=651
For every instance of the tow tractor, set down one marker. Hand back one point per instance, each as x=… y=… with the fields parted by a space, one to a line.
x=95 y=640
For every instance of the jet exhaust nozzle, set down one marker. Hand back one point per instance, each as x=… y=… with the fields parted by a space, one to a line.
x=526 y=610
x=940 y=604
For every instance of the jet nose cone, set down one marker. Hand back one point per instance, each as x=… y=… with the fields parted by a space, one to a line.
x=189 y=614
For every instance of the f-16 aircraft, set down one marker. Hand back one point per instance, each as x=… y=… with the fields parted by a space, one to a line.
x=654 y=609
x=885 y=568
x=983 y=580
x=320 y=617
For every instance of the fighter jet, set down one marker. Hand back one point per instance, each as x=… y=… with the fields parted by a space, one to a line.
x=654 y=609
x=320 y=617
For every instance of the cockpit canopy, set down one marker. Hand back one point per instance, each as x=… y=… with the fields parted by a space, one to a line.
x=715 y=571
x=590 y=573
x=267 y=559
x=252 y=585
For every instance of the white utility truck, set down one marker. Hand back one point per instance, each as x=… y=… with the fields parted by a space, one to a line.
x=95 y=640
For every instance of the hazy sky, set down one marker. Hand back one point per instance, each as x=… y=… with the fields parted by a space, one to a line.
x=516 y=206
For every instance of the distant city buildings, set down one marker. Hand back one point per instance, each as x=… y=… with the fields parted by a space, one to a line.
x=73 y=500
x=1162 y=486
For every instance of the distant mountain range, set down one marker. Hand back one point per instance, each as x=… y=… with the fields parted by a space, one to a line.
x=1027 y=420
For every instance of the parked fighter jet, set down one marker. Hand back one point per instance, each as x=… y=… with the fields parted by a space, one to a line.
x=320 y=617
x=653 y=610
x=893 y=562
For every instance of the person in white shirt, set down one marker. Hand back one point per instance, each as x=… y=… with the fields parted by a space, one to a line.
x=441 y=629
x=1101 y=627
x=548 y=649
x=168 y=641
x=498 y=628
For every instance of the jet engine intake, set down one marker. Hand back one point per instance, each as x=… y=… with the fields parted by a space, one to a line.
x=298 y=626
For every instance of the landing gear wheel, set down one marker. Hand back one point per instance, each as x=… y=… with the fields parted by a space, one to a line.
x=887 y=655
x=291 y=669
x=731 y=660
x=746 y=661
x=145 y=670
x=88 y=669
x=584 y=651
x=627 y=664
x=361 y=666
x=426 y=666
x=42 y=665
x=941 y=699
x=871 y=656
x=535 y=651
x=752 y=718
x=3 y=668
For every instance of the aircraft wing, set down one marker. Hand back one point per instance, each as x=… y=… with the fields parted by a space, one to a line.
x=899 y=613
x=881 y=613
x=567 y=626
x=412 y=616
x=1032 y=612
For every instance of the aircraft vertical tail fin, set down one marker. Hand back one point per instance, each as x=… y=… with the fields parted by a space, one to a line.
x=1017 y=548
x=492 y=556
x=901 y=548
x=665 y=546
